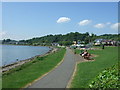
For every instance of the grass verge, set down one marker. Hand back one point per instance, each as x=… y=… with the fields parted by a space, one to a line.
x=0 y=80
x=87 y=71
x=30 y=71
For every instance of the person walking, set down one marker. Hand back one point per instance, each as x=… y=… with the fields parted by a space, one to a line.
x=103 y=46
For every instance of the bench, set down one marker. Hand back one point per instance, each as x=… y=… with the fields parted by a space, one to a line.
x=88 y=57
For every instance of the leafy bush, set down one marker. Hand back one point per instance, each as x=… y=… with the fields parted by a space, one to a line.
x=108 y=78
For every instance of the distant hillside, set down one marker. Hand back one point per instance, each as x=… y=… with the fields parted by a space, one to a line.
x=66 y=39
x=110 y=36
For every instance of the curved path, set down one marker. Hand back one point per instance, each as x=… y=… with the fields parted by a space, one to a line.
x=61 y=75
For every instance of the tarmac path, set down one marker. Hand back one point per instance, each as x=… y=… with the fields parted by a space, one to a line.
x=60 y=76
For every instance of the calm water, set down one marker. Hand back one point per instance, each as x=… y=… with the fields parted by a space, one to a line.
x=10 y=53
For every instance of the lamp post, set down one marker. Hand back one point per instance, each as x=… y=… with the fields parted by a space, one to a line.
x=89 y=37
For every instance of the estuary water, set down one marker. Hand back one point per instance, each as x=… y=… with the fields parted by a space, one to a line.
x=12 y=53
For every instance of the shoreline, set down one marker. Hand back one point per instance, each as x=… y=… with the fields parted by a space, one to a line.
x=26 y=45
x=19 y=63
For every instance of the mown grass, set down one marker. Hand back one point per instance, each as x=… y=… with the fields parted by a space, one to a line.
x=28 y=72
x=0 y=80
x=87 y=71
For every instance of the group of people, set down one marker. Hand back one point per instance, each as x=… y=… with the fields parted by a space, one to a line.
x=85 y=54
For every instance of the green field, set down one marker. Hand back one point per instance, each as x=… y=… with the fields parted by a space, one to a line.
x=28 y=72
x=87 y=71
x=0 y=80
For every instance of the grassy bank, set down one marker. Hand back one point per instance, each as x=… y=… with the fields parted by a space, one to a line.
x=0 y=80
x=87 y=71
x=30 y=71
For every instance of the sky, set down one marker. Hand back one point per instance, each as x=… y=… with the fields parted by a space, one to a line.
x=60 y=0
x=25 y=20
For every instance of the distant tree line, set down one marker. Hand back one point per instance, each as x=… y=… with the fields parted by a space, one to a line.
x=66 y=39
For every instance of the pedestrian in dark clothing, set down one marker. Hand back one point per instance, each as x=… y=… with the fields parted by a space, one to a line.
x=103 y=46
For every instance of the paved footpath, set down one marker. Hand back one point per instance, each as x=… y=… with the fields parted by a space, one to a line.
x=61 y=75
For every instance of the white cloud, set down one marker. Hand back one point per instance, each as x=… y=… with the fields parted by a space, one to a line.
x=108 y=23
x=84 y=22
x=115 y=26
x=100 y=25
x=63 y=19
x=2 y=33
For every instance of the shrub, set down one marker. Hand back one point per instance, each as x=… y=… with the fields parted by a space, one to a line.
x=108 y=78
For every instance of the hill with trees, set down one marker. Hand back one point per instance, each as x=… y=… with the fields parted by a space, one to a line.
x=66 y=39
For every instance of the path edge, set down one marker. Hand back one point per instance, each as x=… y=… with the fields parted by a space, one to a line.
x=29 y=84
x=73 y=75
x=75 y=71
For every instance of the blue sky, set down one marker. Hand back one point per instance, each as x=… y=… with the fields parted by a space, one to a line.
x=27 y=20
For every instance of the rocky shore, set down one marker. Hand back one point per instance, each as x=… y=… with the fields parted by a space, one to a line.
x=14 y=65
